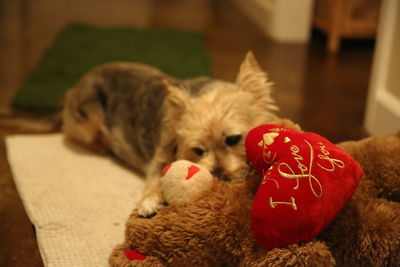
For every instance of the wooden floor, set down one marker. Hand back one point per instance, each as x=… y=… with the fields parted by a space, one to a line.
x=324 y=93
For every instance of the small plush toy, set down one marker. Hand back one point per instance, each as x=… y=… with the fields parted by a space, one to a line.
x=182 y=181
x=224 y=223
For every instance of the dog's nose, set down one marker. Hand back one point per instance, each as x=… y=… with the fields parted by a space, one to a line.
x=219 y=173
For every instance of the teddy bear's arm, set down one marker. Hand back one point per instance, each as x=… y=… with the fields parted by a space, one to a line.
x=366 y=233
x=212 y=230
x=379 y=156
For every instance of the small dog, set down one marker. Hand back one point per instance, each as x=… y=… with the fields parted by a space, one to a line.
x=147 y=119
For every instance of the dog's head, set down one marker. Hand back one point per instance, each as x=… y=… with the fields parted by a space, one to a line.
x=211 y=125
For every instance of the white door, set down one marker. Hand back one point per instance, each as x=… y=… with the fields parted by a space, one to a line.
x=383 y=106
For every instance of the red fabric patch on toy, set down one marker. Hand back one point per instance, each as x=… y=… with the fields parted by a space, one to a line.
x=133 y=255
x=192 y=170
x=306 y=182
x=166 y=168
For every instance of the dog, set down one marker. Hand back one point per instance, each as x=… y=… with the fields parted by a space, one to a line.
x=147 y=119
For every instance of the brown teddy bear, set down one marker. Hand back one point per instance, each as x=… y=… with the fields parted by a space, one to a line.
x=213 y=228
x=367 y=231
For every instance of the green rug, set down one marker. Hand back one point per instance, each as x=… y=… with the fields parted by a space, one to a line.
x=79 y=48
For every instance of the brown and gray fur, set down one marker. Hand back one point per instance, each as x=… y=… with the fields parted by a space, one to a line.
x=119 y=107
x=147 y=119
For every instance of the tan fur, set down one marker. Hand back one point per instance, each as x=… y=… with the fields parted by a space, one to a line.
x=214 y=229
x=204 y=122
x=227 y=109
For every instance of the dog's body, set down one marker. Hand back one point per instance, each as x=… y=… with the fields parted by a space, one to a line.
x=119 y=107
x=147 y=119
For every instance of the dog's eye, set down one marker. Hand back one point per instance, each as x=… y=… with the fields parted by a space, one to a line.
x=198 y=151
x=233 y=140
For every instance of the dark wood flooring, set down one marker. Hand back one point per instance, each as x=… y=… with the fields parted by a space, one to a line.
x=324 y=93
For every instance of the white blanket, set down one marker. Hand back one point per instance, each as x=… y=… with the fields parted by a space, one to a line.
x=78 y=201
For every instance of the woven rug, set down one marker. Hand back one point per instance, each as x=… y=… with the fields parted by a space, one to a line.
x=79 y=48
x=77 y=201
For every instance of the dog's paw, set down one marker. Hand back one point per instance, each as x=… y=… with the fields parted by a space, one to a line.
x=149 y=205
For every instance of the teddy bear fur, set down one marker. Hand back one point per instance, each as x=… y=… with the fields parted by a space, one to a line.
x=211 y=230
x=214 y=228
x=367 y=231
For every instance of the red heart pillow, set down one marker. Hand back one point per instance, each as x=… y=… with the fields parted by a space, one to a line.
x=306 y=182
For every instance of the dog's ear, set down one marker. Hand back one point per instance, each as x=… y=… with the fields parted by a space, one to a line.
x=177 y=99
x=253 y=79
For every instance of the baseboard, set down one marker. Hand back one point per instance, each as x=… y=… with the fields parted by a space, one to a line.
x=283 y=21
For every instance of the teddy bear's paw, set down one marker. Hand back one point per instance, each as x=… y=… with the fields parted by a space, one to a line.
x=379 y=234
x=310 y=254
x=150 y=205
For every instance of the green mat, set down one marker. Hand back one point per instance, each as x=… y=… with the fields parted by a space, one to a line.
x=79 y=48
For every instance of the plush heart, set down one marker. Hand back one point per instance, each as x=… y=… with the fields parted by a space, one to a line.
x=306 y=182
